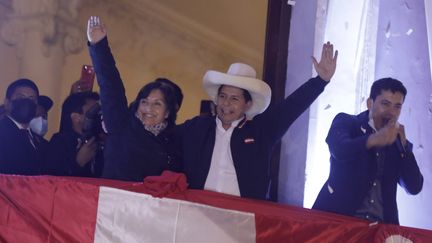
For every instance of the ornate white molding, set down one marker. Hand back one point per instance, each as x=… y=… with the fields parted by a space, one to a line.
x=56 y=21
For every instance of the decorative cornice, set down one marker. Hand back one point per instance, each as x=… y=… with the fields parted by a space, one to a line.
x=56 y=21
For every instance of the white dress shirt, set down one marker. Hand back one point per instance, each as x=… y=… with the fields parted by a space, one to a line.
x=222 y=175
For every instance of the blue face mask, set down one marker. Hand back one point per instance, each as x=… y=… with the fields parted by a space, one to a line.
x=39 y=125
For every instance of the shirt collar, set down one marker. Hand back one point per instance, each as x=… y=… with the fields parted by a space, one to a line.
x=371 y=122
x=233 y=124
x=18 y=124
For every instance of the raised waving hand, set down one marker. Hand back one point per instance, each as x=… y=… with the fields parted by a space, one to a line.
x=95 y=30
x=326 y=67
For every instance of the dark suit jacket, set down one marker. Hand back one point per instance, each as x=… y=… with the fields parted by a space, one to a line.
x=354 y=168
x=17 y=154
x=252 y=141
x=61 y=158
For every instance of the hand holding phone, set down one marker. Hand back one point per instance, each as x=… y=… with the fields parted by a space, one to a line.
x=87 y=77
x=86 y=81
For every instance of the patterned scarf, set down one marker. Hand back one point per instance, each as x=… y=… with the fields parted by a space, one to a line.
x=155 y=129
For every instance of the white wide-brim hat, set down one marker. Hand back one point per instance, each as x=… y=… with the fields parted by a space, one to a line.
x=241 y=76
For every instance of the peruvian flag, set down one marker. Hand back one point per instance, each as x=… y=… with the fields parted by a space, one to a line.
x=161 y=209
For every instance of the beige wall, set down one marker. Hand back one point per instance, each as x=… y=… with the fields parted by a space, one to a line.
x=149 y=41
x=8 y=61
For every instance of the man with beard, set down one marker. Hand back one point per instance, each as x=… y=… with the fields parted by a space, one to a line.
x=370 y=155
x=20 y=149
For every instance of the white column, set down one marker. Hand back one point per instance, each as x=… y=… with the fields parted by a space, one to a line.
x=352 y=27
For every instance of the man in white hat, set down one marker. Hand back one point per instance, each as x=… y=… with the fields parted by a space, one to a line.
x=230 y=153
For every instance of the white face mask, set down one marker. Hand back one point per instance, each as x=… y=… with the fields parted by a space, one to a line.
x=39 y=125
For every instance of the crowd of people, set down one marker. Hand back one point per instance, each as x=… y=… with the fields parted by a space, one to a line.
x=228 y=150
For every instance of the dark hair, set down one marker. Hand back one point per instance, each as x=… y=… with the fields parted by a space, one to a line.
x=169 y=95
x=247 y=96
x=74 y=104
x=177 y=91
x=20 y=83
x=391 y=84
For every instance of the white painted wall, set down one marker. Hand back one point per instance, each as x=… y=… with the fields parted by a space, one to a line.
x=403 y=53
x=352 y=27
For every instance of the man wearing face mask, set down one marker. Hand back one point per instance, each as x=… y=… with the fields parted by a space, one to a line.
x=21 y=150
x=39 y=124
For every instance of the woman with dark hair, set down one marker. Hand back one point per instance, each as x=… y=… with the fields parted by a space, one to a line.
x=140 y=141
x=169 y=96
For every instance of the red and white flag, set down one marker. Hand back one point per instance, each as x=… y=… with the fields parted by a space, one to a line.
x=61 y=209
x=124 y=216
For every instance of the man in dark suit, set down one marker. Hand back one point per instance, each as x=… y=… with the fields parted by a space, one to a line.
x=21 y=150
x=230 y=152
x=370 y=155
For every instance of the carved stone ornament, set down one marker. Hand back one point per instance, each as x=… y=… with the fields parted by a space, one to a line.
x=55 y=21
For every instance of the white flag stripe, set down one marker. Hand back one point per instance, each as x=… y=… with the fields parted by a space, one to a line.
x=125 y=216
